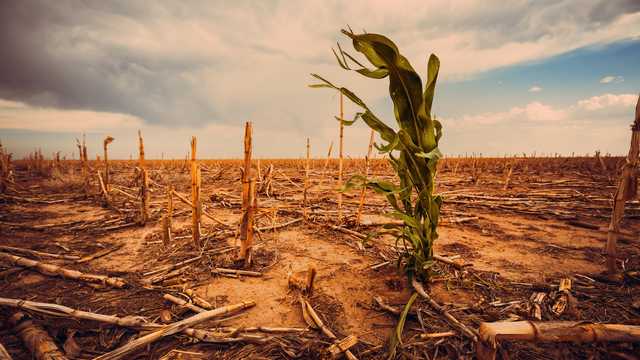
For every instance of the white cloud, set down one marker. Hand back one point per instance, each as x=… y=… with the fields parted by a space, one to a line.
x=611 y=79
x=535 y=88
x=17 y=115
x=608 y=101
x=596 y=123
x=601 y=106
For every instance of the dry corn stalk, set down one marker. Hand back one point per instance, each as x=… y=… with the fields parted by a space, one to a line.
x=553 y=331
x=134 y=322
x=340 y=160
x=313 y=316
x=4 y=354
x=35 y=338
x=326 y=164
x=144 y=196
x=627 y=189
x=144 y=184
x=167 y=237
x=366 y=174
x=507 y=180
x=343 y=345
x=471 y=334
x=202 y=212
x=167 y=230
x=306 y=182
x=108 y=140
x=183 y=303
x=103 y=189
x=196 y=206
x=248 y=200
x=82 y=150
x=55 y=270
x=5 y=160
x=172 y=329
x=198 y=300
x=141 y=150
x=63 y=311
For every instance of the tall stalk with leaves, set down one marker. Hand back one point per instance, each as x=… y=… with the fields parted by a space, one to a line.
x=412 y=149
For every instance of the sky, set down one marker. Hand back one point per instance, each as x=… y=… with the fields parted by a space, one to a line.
x=520 y=76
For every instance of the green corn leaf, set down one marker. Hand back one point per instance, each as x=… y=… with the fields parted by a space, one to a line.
x=348 y=122
x=374 y=74
x=412 y=149
x=396 y=336
x=433 y=67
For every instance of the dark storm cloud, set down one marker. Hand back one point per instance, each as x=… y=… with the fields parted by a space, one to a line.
x=59 y=54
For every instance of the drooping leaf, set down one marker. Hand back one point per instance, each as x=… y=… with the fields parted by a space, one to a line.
x=396 y=336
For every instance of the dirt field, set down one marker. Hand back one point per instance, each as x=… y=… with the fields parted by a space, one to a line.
x=549 y=223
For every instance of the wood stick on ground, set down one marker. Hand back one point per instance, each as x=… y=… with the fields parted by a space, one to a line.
x=172 y=266
x=55 y=270
x=189 y=203
x=126 y=194
x=183 y=303
x=450 y=262
x=196 y=206
x=553 y=331
x=38 y=253
x=471 y=334
x=325 y=330
x=438 y=335
x=279 y=226
x=35 y=338
x=100 y=253
x=103 y=189
x=349 y=232
x=4 y=354
x=366 y=174
x=172 y=329
x=162 y=277
x=340 y=160
x=383 y=305
x=341 y=346
x=237 y=272
x=198 y=300
x=63 y=311
x=134 y=322
x=627 y=188
x=306 y=182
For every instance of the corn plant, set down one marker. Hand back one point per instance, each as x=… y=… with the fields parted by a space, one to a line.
x=412 y=149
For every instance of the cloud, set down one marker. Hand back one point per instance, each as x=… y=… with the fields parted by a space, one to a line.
x=607 y=101
x=535 y=88
x=174 y=64
x=17 y=115
x=611 y=79
x=595 y=123
x=594 y=108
